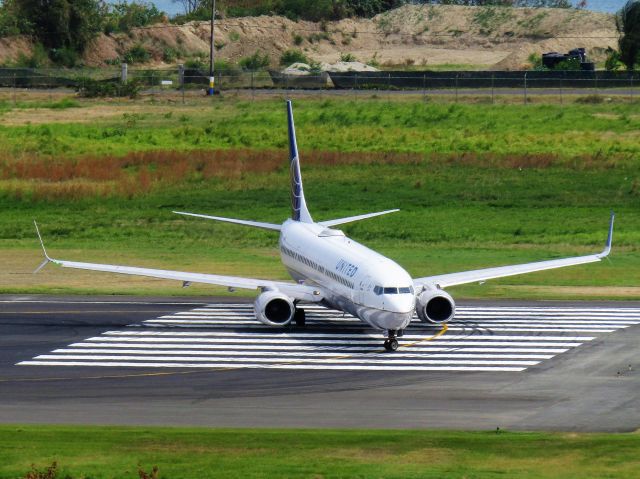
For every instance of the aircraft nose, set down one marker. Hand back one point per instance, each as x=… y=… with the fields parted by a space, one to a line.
x=403 y=303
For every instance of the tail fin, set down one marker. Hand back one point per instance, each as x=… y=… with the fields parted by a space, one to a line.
x=299 y=211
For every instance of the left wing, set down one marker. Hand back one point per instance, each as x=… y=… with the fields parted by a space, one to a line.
x=295 y=291
x=454 y=279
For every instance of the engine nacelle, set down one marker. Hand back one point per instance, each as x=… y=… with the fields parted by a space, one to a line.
x=435 y=306
x=274 y=308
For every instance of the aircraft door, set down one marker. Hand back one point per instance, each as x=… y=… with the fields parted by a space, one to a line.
x=363 y=286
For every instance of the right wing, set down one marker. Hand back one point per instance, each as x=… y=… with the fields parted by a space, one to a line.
x=479 y=275
x=295 y=291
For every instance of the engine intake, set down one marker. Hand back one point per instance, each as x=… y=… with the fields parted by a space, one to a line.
x=274 y=309
x=435 y=306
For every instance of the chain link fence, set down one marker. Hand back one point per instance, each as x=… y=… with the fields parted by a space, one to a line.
x=183 y=83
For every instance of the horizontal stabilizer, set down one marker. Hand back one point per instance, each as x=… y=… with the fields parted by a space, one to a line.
x=351 y=219
x=254 y=224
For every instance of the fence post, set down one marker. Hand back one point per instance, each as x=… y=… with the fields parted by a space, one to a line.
x=355 y=84
x=181 y=80
x=562 y=88
x=595 y=82
x=389 y=87
x=14 y=90
x=493 y=88
x=526 y=99
x=253 y=93
x=123 y=73
x=424 y=87
x=457 y=76
x=631 y=82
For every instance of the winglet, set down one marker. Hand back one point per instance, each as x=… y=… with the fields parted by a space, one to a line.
x=46 y=256
x=607 y=247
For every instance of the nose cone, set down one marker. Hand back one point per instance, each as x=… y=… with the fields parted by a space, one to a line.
x=400 y=303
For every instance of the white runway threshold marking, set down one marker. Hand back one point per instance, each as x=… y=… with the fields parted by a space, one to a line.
x=227 y=336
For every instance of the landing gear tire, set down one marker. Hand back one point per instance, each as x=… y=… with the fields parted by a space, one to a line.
x=299 y=317
x=391 y=344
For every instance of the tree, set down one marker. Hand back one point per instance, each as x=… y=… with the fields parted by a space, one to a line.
x=628 y=24
x=60 y=24
x=189 y=6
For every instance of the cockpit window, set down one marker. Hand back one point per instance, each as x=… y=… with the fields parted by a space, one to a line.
x=404 y=290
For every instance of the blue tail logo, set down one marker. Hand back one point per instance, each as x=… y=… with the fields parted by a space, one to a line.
x=299 y=211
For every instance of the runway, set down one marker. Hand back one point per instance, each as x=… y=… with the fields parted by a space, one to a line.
x=550 y=366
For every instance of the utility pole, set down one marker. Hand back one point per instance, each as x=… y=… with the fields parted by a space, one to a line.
x=211 y=90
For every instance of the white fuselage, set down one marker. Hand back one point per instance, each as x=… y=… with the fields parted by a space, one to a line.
x=354 y=278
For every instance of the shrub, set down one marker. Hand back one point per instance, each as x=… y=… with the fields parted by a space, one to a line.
x=613 y=61
x=194 y=63
x=64 y=56
x=90 y=88
x=169 y=55
x=347 y=57
x=293 y=56
x=255 y=62
x=137 y=54
x=570 y=64
x=297 y=39
x=37 y=59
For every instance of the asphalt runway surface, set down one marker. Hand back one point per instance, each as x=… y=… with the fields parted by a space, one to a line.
x=570 y=366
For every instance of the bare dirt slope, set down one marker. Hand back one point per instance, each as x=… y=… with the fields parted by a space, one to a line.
x=431 y=36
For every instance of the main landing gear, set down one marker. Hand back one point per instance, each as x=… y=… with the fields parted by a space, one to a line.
x=299 y=317
x=391 y=343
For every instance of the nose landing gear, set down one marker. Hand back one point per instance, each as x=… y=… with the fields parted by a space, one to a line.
x=391 y=343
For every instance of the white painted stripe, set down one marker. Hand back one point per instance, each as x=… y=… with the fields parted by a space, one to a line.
x=542 y=330
x=362 y=337
x=353 y=367
x=298 y=347
x=337 y=360
x=488 y=322
x=583 y=329
x=289 y=343
x=464 y=309
x=550 y=313
x=365 y=355
x=543 y=308
x=550 y=322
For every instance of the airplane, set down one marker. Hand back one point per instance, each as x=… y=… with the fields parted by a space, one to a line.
x=337 y=272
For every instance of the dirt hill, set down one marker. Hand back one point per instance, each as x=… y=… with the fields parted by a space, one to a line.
x=424 y=36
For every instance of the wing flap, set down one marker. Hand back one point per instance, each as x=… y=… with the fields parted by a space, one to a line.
x=296 y=291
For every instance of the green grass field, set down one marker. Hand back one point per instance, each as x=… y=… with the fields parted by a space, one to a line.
x=478 y=185
x=100 y=452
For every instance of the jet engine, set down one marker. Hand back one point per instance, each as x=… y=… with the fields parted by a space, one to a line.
x=274 y=308
x=435 y=306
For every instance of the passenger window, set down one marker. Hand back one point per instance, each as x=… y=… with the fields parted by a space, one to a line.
x=390 y=290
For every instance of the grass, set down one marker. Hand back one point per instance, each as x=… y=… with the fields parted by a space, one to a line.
x=478 y=186
x=567 y=131
x=114 y=452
